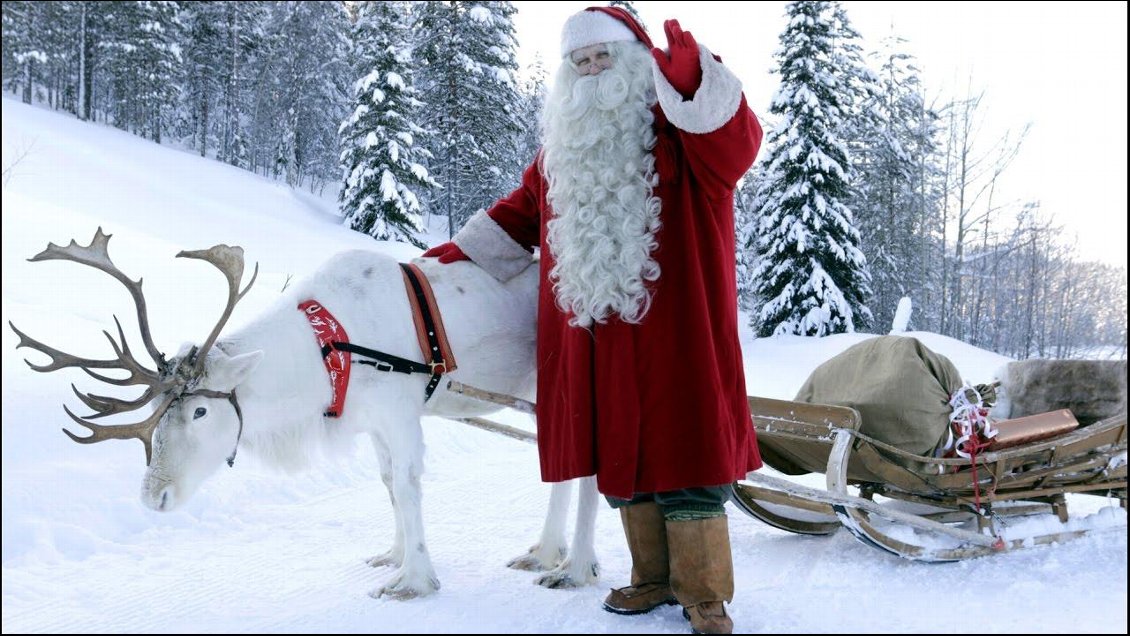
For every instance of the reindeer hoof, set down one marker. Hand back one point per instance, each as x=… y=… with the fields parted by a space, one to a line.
x=566 y=576
x=527 y=562
x=381 y=560
x=537 y=560
x=556 y=581
x=399 y=589
x=395 y=594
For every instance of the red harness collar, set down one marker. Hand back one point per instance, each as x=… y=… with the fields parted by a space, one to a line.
x=327 y=330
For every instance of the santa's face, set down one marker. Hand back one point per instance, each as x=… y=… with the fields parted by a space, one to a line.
x=597 y=138
x=591 y=60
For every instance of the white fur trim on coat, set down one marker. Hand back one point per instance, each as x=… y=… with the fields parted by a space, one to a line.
x=714 y=104
x=587 y=28
x=491 y=248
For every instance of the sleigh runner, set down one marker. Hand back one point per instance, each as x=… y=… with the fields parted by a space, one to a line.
x=920 y=508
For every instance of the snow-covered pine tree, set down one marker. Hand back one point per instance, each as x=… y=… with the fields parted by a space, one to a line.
x=74 y=37
x=24 y=46
x=892 y=206
x=41 y=51
x=746 y=204
x=858 y=84
x=220 y=40
x=88 y=31
x=467 y=55
x=57 y=34
x=529 y=114
x=383 y=163
x=143 y=50
x=203 y=58
x=241 y=27
x=302 y=92
x=811 y=276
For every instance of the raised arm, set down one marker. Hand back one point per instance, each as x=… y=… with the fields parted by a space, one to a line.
x=704 y=100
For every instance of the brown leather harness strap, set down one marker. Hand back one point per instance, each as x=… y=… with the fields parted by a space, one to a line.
x=430 y=333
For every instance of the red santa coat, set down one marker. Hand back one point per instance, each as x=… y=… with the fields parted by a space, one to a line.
x=659 y=405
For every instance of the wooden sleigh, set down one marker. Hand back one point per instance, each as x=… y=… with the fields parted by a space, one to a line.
x=925 y=508
x=916 y=507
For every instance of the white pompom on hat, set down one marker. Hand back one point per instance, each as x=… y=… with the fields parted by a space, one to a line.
x=600 y=24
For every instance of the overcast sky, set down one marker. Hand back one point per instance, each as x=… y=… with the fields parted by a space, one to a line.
x=1059 y=66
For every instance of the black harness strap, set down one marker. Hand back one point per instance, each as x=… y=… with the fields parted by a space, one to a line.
x=381 y=360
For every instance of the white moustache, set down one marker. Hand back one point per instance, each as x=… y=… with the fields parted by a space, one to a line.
x=604 y=92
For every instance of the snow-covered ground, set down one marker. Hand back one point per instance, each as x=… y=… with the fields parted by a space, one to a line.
x=259 y=551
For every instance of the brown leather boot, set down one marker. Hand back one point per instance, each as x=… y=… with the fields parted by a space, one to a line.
x=646 y=532
x=702 y=572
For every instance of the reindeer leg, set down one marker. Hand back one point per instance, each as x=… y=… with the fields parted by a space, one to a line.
x=550 y=550
x=395 y=555
x=416 y=576
x=581 y=567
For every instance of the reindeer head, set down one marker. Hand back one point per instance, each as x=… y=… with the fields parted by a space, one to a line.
x=186 y=389
x=199 y=430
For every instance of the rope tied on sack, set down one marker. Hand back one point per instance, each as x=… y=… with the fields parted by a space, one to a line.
x=970 y=422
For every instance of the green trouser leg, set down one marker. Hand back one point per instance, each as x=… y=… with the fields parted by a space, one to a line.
x=685 y=504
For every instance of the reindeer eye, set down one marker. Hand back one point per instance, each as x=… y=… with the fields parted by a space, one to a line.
x=199 y=413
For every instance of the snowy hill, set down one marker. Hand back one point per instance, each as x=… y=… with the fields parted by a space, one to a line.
x=257 y=551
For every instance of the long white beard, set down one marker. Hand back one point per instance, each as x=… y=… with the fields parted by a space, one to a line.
x=597 y=138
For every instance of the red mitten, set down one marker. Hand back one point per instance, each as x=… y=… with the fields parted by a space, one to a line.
x=680 y=64
x=447 y=253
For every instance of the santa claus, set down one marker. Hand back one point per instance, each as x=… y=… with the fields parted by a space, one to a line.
x=640 y=376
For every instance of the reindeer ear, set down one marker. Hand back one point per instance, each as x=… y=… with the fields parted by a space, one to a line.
x=227 y=373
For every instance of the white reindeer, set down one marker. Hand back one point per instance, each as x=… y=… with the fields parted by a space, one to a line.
x=264 y=389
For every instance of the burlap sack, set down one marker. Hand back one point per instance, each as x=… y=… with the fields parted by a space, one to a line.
x=900 y=388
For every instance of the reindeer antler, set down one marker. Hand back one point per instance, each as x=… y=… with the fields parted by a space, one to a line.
x=142 y=430
x=166 y=378
x=96 y=256
x=125 y=361
x=228 y=260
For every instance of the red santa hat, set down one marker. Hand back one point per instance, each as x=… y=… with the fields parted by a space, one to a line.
x=595 y=25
